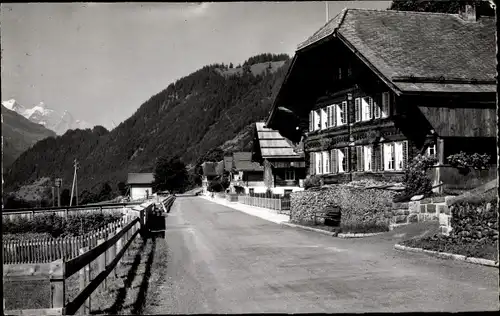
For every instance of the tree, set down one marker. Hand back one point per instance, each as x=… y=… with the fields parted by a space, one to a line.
x=122 y=188
x=170 y=174
x=231 y=65
x=105 y=193
x=451 y=6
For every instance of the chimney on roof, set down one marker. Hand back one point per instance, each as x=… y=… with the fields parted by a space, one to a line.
x=468 y=12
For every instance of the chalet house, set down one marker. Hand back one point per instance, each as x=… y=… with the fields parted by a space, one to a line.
x=372 y=88
x=140 y=185
x=211 y=171
x=284 y=165
x=247 y=176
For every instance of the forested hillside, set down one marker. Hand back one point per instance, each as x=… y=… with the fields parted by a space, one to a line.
x=197 y=113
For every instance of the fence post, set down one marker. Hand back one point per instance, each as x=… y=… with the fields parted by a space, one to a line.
x=57 y=283
x=102 y=263
x=84 y=309
x=119 y=245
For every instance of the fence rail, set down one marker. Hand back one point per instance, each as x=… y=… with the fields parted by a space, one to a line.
x=278 y=204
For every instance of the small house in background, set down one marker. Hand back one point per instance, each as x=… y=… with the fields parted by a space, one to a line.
x=284 y=164
x=211 y=171
x=140 y=185
x=247 y=176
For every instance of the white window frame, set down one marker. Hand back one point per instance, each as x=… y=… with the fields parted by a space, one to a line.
x=319 y=163
x=367 y=158
x=340 y=158
x=389 y=156
x=398 y=156
x=386 y=104
x=431 y=149
x=287 y=173
x=317 y=120
x=326 y=162
x=366 y=104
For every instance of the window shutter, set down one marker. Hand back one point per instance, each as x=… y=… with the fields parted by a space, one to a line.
x=375 y=158
x=344 y=112
x=357 y=109
x=311 y=163
x=328 y=122
x=405 y=154
x=381 y=160
x=370 y=108
x=359 y=156
x=311 y=123
x=334 y=115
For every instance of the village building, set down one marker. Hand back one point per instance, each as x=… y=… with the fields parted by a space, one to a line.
x=284 y=165
x=211 y=171
x=140 y=185
x=373 y=88
x=246 y=175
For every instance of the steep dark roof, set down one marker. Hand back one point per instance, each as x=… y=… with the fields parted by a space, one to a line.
x=140 y=178
x=419 y=44
x=273 y=145
x=243 y=162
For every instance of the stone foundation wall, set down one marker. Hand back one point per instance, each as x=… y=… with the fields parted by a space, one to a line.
x=471 y=221
x=358 y=206
x=428 y=209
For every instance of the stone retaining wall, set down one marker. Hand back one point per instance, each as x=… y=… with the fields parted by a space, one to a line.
x=358 y=205
x=474 y=222
x=428 y=209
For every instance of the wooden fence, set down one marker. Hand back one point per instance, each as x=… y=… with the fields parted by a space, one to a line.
x=12 y=214
x=279 y=204
x=108 y=251
x=50 y=249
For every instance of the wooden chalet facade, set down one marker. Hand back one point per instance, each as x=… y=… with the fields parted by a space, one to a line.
x=284 y=165
x=373 y=88
x=211 y=171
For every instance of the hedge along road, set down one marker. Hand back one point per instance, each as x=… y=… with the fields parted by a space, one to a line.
x=219 y=260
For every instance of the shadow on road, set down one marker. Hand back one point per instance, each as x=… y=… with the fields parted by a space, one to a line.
x=141 y=297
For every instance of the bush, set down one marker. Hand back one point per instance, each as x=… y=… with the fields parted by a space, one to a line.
x=368 y=227
x=312 y=182
x=58 y=226
x=475 y=161
x=416 y=180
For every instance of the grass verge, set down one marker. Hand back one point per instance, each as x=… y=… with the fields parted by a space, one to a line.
x=484 y=248
x=349 y=228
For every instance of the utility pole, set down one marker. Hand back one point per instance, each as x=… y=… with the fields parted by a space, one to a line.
x=327 y=19
x=76 y=166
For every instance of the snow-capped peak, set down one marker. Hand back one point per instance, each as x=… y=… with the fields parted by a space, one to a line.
x=47 y=117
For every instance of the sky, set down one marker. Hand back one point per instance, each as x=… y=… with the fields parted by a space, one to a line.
x=101 y=61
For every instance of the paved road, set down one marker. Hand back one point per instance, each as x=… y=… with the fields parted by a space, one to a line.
x=223 y=261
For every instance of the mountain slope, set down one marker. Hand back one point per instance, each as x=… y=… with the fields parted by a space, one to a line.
x=191 y=116
x=19 y=134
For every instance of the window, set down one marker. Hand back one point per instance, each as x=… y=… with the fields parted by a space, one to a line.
x=398 y=150
x=342 y=160
x=312 y=163
x=367 y=103
x=326 y=162
x=357 y=109
x=251 y=191
x=389 y=157
x=340 y=73
x=289 y=175
x=319 y=164
x=376 y=108
x=311 y=121
x=317 y=120
x=367 y=158
x=386 y=104
x=331 y=115
x=431 y=150
x=324 y=117
x=342 y=113
x=333 y=161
